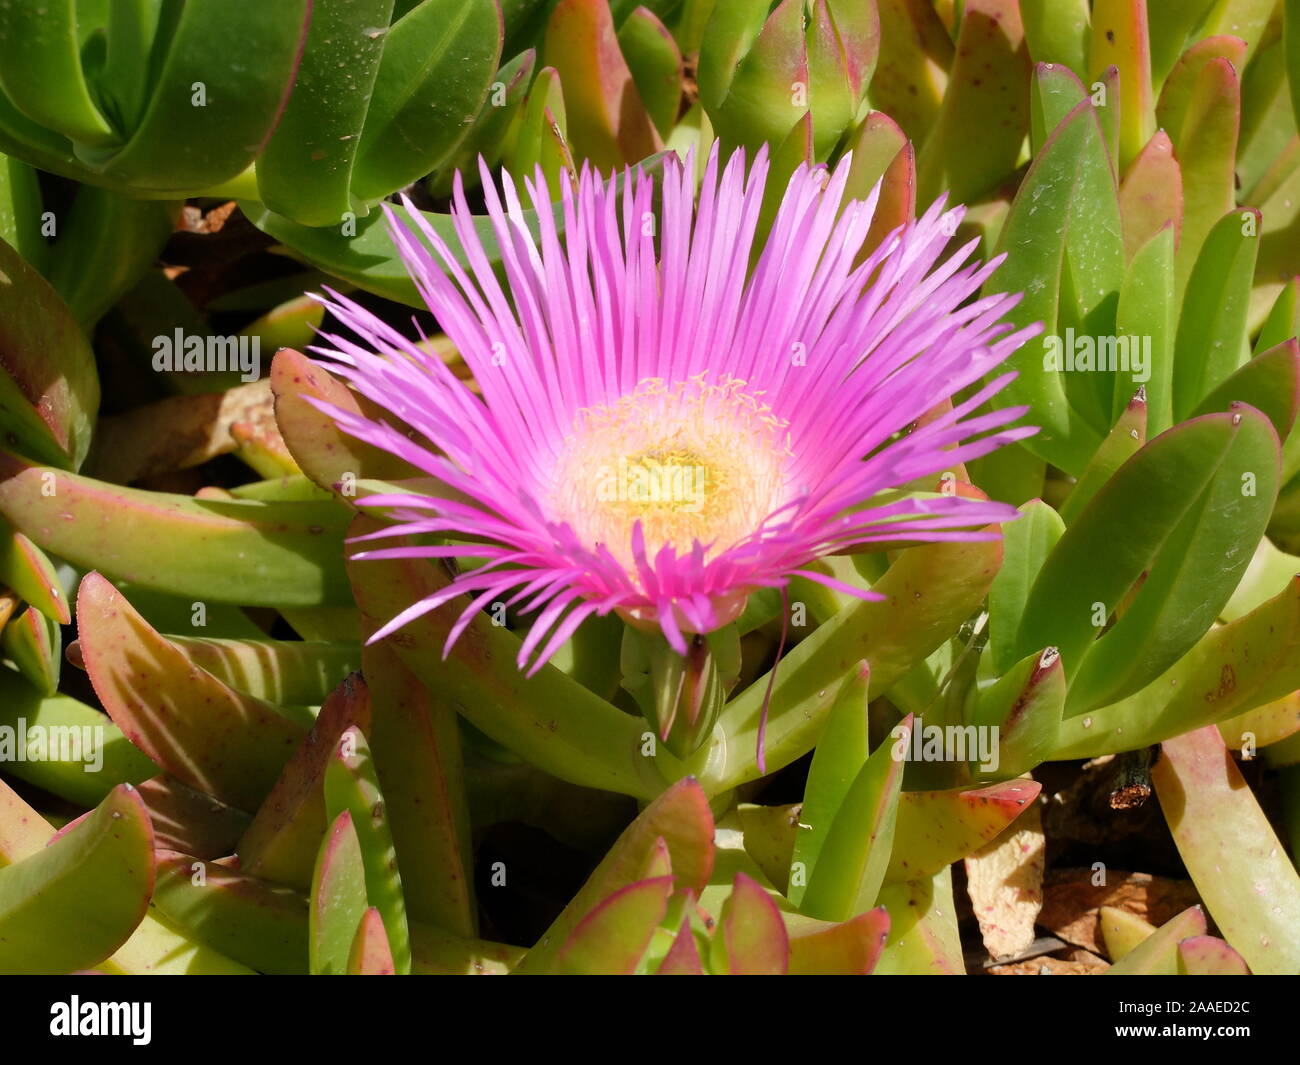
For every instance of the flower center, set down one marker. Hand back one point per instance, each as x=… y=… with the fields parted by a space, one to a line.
x=694 y=461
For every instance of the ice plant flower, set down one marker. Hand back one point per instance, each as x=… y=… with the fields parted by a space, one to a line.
x=662 y=429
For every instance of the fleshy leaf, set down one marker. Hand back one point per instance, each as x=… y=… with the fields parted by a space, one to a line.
x=285 y=836
x=338 y=898
x=289 y=553
x=370 y=954
x=1065 y=219
x=1233 y=668
x=1211 y=812
x=1122 y=443
x=49 y=389
x=1027 y=543
x=1164 y=512
x=892 y=635
x=415 y=737
x=607 y=122
x=655 y=63
x=1122 y=931
x=260 y=924
x=936 y=828
x=305 y=170
x=681 y=817
x=229 y=745
x=1212 y=340
x=1151 y=194
x=851 y=948
x=984 y=116
x=437 y=65
x=839 y=756
x=352 y=786
x=1157 y=955
x=923 y=937
x=856 y=849
x=1023 y=708
x=94 y=760
x=612 y=938
x=73 y=903
x=751 y=938
x=1120 y=39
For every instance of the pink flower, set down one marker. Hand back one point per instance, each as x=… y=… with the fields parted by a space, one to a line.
x=662 y=430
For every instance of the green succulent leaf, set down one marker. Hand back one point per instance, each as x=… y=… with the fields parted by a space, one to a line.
x=1063 y=238
x=1057 y=31
x=1255 y=898
x=437 y=65
x=1122 y=443
x=751 y=938
x=1233 y=668
x=1176 y=510
x=305 y=171
x=415 y=737
x=1120 y=39
x=850 y=948
x=490 y=133
x=286 y=672
x=1171 y=23
x=964 y=151
x=338 y=898
x=1054 y=92
x=41 y=71
x=1027 y=543
x=21 y=210
x=839 y=756
x=211 y=737
x=855 y=852
x=936 y=828
x=49 y=389
x=107 y=243
x=370 y=954
x=1151 y=194
x=1147 y=308
x=1200 y=109
x=882 y=152
x=1024 y=708
x=655 y=63
x=29 y=573
x=83 y=772
x=680 y=817
x=1158 y=955
x=923 y=937
x=1291 y=36
x=208 y=115
x=35 y=645
x=892 y=635
x=282 y=842
x=1269 y=382
x=73 y=903
x=607 y=121
x=1212 y=342
x=260 y=924
x=289 y=553
x=612 y=938
x=352 y=786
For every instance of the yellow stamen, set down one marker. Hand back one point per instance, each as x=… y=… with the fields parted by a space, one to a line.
x=695 y=461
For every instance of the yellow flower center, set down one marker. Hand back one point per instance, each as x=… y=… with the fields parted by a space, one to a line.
x=694 y=461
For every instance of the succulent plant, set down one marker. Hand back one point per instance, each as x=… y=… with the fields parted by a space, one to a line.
x=341 y=662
